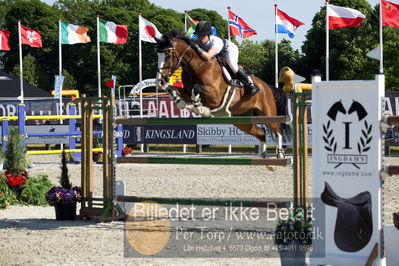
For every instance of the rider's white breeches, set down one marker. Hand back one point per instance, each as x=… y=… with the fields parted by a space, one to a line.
x=231 y=56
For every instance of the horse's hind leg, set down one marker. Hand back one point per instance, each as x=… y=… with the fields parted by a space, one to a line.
x=275 y=127
x=254 y=130
x=258 y=132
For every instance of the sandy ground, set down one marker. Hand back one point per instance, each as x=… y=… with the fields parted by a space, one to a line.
x=32 y=236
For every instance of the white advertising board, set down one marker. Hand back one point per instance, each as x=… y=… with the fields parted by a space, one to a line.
x=346 y=169
x=223 y=135
x=47 y=139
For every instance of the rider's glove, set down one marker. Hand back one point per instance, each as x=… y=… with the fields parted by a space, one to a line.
x=196 y=48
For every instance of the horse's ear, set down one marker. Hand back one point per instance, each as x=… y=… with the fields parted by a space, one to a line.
x=164 y=42
x=159 y=40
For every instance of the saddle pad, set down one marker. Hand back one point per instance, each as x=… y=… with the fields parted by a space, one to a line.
x=354 y=223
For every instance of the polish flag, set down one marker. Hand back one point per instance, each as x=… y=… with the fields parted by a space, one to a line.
x=148 y=31
x=4 y=44
x=343 y=17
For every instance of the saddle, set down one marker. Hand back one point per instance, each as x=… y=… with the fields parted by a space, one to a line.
x=354 y=223
x=228 y=73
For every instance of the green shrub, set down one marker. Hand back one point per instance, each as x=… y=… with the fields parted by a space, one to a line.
x=15 y=155
x=34 y=190
x=7 y=196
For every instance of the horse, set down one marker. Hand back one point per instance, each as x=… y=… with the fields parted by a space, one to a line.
x=205 y=88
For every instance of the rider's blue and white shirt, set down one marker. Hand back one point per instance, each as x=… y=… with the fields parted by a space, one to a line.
x=214 y=42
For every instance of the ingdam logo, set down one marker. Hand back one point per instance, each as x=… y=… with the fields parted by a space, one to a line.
x=347 y=134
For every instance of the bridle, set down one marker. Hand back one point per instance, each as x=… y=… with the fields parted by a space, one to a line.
x=172 y=67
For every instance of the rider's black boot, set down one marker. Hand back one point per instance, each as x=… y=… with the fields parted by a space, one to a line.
x=249 y=85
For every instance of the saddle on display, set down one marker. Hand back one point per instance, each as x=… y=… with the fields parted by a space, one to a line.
x=354 y=223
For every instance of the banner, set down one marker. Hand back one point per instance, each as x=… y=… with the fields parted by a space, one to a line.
x=346 y=171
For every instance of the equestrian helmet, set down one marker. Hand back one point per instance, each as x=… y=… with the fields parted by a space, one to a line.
x=203 y=28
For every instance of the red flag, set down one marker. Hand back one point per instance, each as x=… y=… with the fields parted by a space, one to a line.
x=344 y=17
x=239 y=27
x=31 y=37
x=390 y=14
x=4 y=44
x=110 y=84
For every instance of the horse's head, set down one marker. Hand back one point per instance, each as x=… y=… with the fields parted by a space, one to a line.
x=171 y=50
x=166 y=57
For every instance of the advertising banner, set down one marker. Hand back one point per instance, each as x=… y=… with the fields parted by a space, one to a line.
x=346 y=169
x=47 y=139
x=223 y=135
x=153 y=134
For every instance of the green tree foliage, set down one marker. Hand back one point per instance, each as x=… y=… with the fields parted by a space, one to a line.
x=259 y=58
x=64 y=178
x=391 y=55
x=252 y=57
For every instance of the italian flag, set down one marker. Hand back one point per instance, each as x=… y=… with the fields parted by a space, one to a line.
x=112 y=33
x=71 y=34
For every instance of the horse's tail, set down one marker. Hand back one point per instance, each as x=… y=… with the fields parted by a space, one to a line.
x=281 y=99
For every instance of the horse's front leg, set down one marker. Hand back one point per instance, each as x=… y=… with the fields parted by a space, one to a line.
x=180 y=103
x=199 y=108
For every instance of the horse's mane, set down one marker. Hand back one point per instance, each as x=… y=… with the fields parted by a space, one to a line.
x=179 y=35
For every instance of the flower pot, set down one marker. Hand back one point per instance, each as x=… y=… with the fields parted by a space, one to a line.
x=65 y=211
x=96 y=156
x=293 y=255
x=293 y=258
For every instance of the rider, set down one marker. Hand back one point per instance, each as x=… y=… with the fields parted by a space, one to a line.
x=213 y=45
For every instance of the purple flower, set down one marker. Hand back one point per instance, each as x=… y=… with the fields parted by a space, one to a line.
x=60 y=196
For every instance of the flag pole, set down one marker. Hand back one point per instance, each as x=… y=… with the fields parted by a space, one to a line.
x=59 y=48
x=185 y=20
x=140 y=75
x=98 y=56
x=21 y=72
x=140 y=66
x=381 y=49
x=275 y=47
x=228 y=23
x=60 y=63
x=327 y=43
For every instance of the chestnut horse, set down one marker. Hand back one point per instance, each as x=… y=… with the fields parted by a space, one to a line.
x=205 y=87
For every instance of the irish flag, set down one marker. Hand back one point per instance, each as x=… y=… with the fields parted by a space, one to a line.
x=71 y=34
x=112 y=33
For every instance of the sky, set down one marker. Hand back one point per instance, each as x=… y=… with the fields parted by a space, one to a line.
x=259 y=14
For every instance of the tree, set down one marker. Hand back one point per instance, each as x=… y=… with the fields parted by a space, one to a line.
x=252 y=57
x=30 y=70
x=259 y=58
